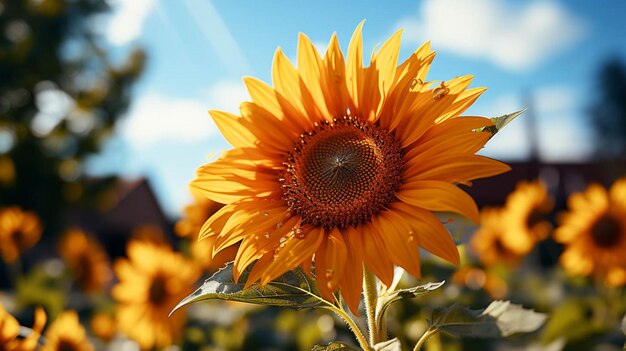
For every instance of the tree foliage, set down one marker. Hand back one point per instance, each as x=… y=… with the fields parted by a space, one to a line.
x=608 y=113
x=60 y=96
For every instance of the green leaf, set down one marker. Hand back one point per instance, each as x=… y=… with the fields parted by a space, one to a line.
x=415 y=291
x=333 y=346
x=410 y=293
x=576 y=319
x=293 y=289
x=389 y=345
x=500 y=318
x=501 y=121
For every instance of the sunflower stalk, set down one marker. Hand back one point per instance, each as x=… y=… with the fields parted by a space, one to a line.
x=351 y=324
x=371 y=302
x=430 y=332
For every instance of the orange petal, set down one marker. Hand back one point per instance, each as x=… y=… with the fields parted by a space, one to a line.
x=439 y=196
x=351 y=283
x=292 y=252
x=401 y=241
x=456 y=168
x=257 y=245
x=330 y=261
x=374 y=252
x=433 y=236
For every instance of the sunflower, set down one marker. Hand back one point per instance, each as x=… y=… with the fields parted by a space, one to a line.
x=19 y=231
x=67 y=334
x=149 y=232
x=87 y=260
x=489 y=240
x=189 y=226
x=476 y=278
x=10 y=330
x=525 y=216
x=342 y=165
x=594 y=233
x=194 y=216
x=103 y=325
x=151 y=282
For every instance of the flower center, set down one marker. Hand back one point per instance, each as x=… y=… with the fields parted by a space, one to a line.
x=342 y=173
x=157 y=292
x=19 y=239
x=606 y=231
x=66 y=345
x=534 y=217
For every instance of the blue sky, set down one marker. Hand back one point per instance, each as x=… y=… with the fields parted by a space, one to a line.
x=542 y=54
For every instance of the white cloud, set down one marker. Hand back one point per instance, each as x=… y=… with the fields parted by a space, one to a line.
x=155 y=118
x=561 y=133
x=555 y=99
x=514 y=36
x=126 y=21
x=227 y=96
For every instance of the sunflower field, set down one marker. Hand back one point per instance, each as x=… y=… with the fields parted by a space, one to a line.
x=350 y=202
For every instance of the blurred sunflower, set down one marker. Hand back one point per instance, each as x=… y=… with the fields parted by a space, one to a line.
x=194 y=216
x=488 y=241
x=67 y=334
x=19 y=231
x=342 y=164
x=10 y=330
x=594 y=233
x=87 y=260
x=151 y=282
x=189 y=226
x=476 y=278
x=149 y=232
x=103 y=325
x=525 y=216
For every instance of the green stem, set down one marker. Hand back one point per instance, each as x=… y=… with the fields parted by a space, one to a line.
x=355 y=328
x=430 y=332
x=371 y=301
x=15 y=271
x=340 y=311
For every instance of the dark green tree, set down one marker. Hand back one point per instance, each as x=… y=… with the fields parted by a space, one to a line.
x=60 y=96
x=608 y=113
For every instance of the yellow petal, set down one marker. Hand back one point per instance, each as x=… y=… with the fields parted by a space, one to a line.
x=288 y=83
x=276 y=104
x=462 y=103
x=338 y=100
x=312 y=73
x=232 y=129
x=354 y=66
x=384 y=70
x=269 y=129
